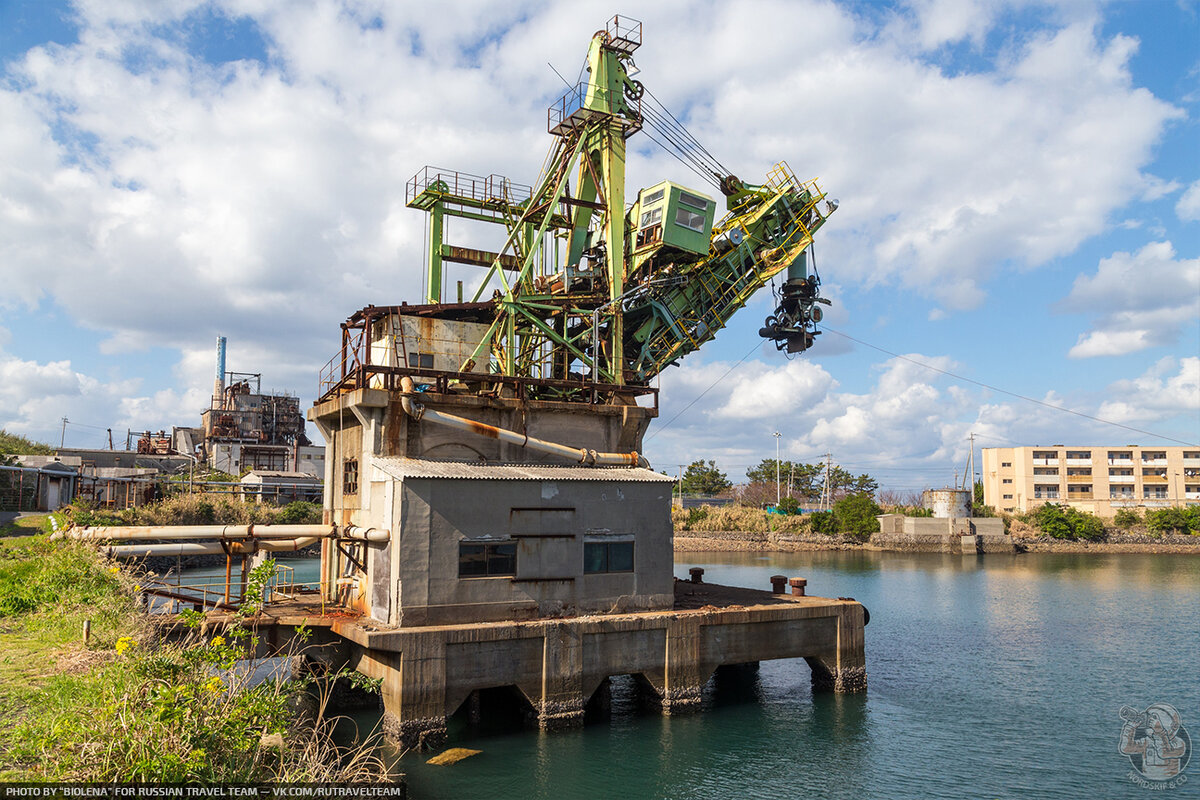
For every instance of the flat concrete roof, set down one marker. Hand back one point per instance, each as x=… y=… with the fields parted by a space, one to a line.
x=473 y=470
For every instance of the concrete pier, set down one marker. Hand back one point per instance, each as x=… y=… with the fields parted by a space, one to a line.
x=559 y=664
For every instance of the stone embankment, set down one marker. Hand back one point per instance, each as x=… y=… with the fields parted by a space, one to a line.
x=762 y=541
x=759 y=541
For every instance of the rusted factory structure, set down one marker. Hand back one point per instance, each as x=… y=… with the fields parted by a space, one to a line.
x=489 y=516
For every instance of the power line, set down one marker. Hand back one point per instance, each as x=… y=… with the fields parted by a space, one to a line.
x=706 y=391
x=1010 y=394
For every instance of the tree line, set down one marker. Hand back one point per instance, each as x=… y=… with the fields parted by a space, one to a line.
x=797 y=480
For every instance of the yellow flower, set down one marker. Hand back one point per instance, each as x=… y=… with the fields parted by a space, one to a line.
x=214 y=684
x=114 y=569
x=137 y=587
x=124 y=643
x=218 y=641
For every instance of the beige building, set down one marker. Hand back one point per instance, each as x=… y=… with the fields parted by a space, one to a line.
x=1100 y=480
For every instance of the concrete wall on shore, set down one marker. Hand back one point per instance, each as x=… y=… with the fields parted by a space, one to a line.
x=933 y=535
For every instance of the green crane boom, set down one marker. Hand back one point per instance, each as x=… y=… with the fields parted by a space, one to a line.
x=593 y=292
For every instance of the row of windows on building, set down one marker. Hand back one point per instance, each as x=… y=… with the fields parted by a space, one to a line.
x=499 y=559
x=1084 y=492
x=1113 y=455
x=1115 y=472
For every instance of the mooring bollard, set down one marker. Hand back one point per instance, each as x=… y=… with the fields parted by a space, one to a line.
x=697 y=574
x=778 y=583
x=798 y=585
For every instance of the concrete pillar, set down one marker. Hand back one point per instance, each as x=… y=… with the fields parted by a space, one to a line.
x=843 y=670
x=413 y=690
x=559 y=700
x=681 y=682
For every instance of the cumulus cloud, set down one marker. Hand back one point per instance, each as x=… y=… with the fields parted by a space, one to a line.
x=161 y=195
x=1169 y=387
x=1188 y=206
x=1138 y=300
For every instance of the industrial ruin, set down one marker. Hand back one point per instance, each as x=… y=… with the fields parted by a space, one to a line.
x=490 y=519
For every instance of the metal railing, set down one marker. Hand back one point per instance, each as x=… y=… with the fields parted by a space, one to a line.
x=463 y=185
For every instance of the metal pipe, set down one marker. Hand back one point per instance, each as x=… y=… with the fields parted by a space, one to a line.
x=209 y=548
x=582 y=455
x=228 y=532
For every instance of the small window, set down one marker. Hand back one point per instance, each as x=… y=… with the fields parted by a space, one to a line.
x=693 y=201
x=1006 y=464
x=350 y=476
x=653 y=197
x=1007 y=480
x=607 y=557
x=1008 y=497
x=486 y=559
x=651 y=217
x=689 y=219
x=420 y=360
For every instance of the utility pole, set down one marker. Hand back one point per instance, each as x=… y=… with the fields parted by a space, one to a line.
x=63 y=439
x=680 y=482
x=777 y=436
x=827 y=489
x=110 y=447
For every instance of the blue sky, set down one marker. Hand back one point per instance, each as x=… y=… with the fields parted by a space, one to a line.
x=1019 y=188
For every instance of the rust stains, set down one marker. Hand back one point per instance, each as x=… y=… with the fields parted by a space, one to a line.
x=483 y=429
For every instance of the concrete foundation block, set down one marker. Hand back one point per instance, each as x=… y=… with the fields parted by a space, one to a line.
x=427 y=733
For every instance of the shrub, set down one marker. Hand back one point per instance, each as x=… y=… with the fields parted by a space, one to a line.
x=788 y=505
x=298 y=513
x=1062 y=522
x=1126 y=518
x=856 y=514
x=1167 y=520
x=823 y=522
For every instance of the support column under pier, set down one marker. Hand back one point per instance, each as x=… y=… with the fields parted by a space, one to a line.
x=558 y=700
x=844 y=669
x=681 y=681
x=414 y=690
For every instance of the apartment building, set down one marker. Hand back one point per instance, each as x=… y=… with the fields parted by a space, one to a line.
x=1099 y=480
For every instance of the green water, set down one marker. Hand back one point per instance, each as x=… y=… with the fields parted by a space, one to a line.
x=990 y=676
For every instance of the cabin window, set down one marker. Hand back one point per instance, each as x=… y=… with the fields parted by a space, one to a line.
x=607 y=557
x=693 y=201
x=651 y=217
x=350 y=476
x=420 y=360
x=689 y=219
x=653 y=197
x=486 y=559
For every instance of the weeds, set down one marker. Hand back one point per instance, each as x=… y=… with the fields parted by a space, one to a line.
x=198 y=509
x=130 y=706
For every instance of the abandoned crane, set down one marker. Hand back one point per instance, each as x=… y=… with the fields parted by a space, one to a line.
x=591 y=297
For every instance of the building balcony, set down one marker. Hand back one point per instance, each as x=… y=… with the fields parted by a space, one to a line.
x=1122 y=478
x=1154 y=478
x=1045 y=462
x=1079 y=495
x=1191 y=495
x=1154 y=462
x=1079 y=479
x=1079 y=462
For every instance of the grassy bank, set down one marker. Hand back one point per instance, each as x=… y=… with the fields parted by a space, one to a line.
x=127 y=705
x=198 y=509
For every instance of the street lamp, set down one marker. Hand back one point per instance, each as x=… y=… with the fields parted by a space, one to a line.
x=777 y=436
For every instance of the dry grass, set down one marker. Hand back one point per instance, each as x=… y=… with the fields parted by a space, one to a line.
x=712 y=519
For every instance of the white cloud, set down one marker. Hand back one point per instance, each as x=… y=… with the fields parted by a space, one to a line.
x=1140 y=300
x=1188 y=206
x=1169 y=387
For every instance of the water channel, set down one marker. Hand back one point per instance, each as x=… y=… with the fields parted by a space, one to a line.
x=990 y=676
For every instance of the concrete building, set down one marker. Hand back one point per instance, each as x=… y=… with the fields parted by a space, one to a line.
x=280 y=488
x=1099 y=480
x=510 y=565
x=247 y=429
